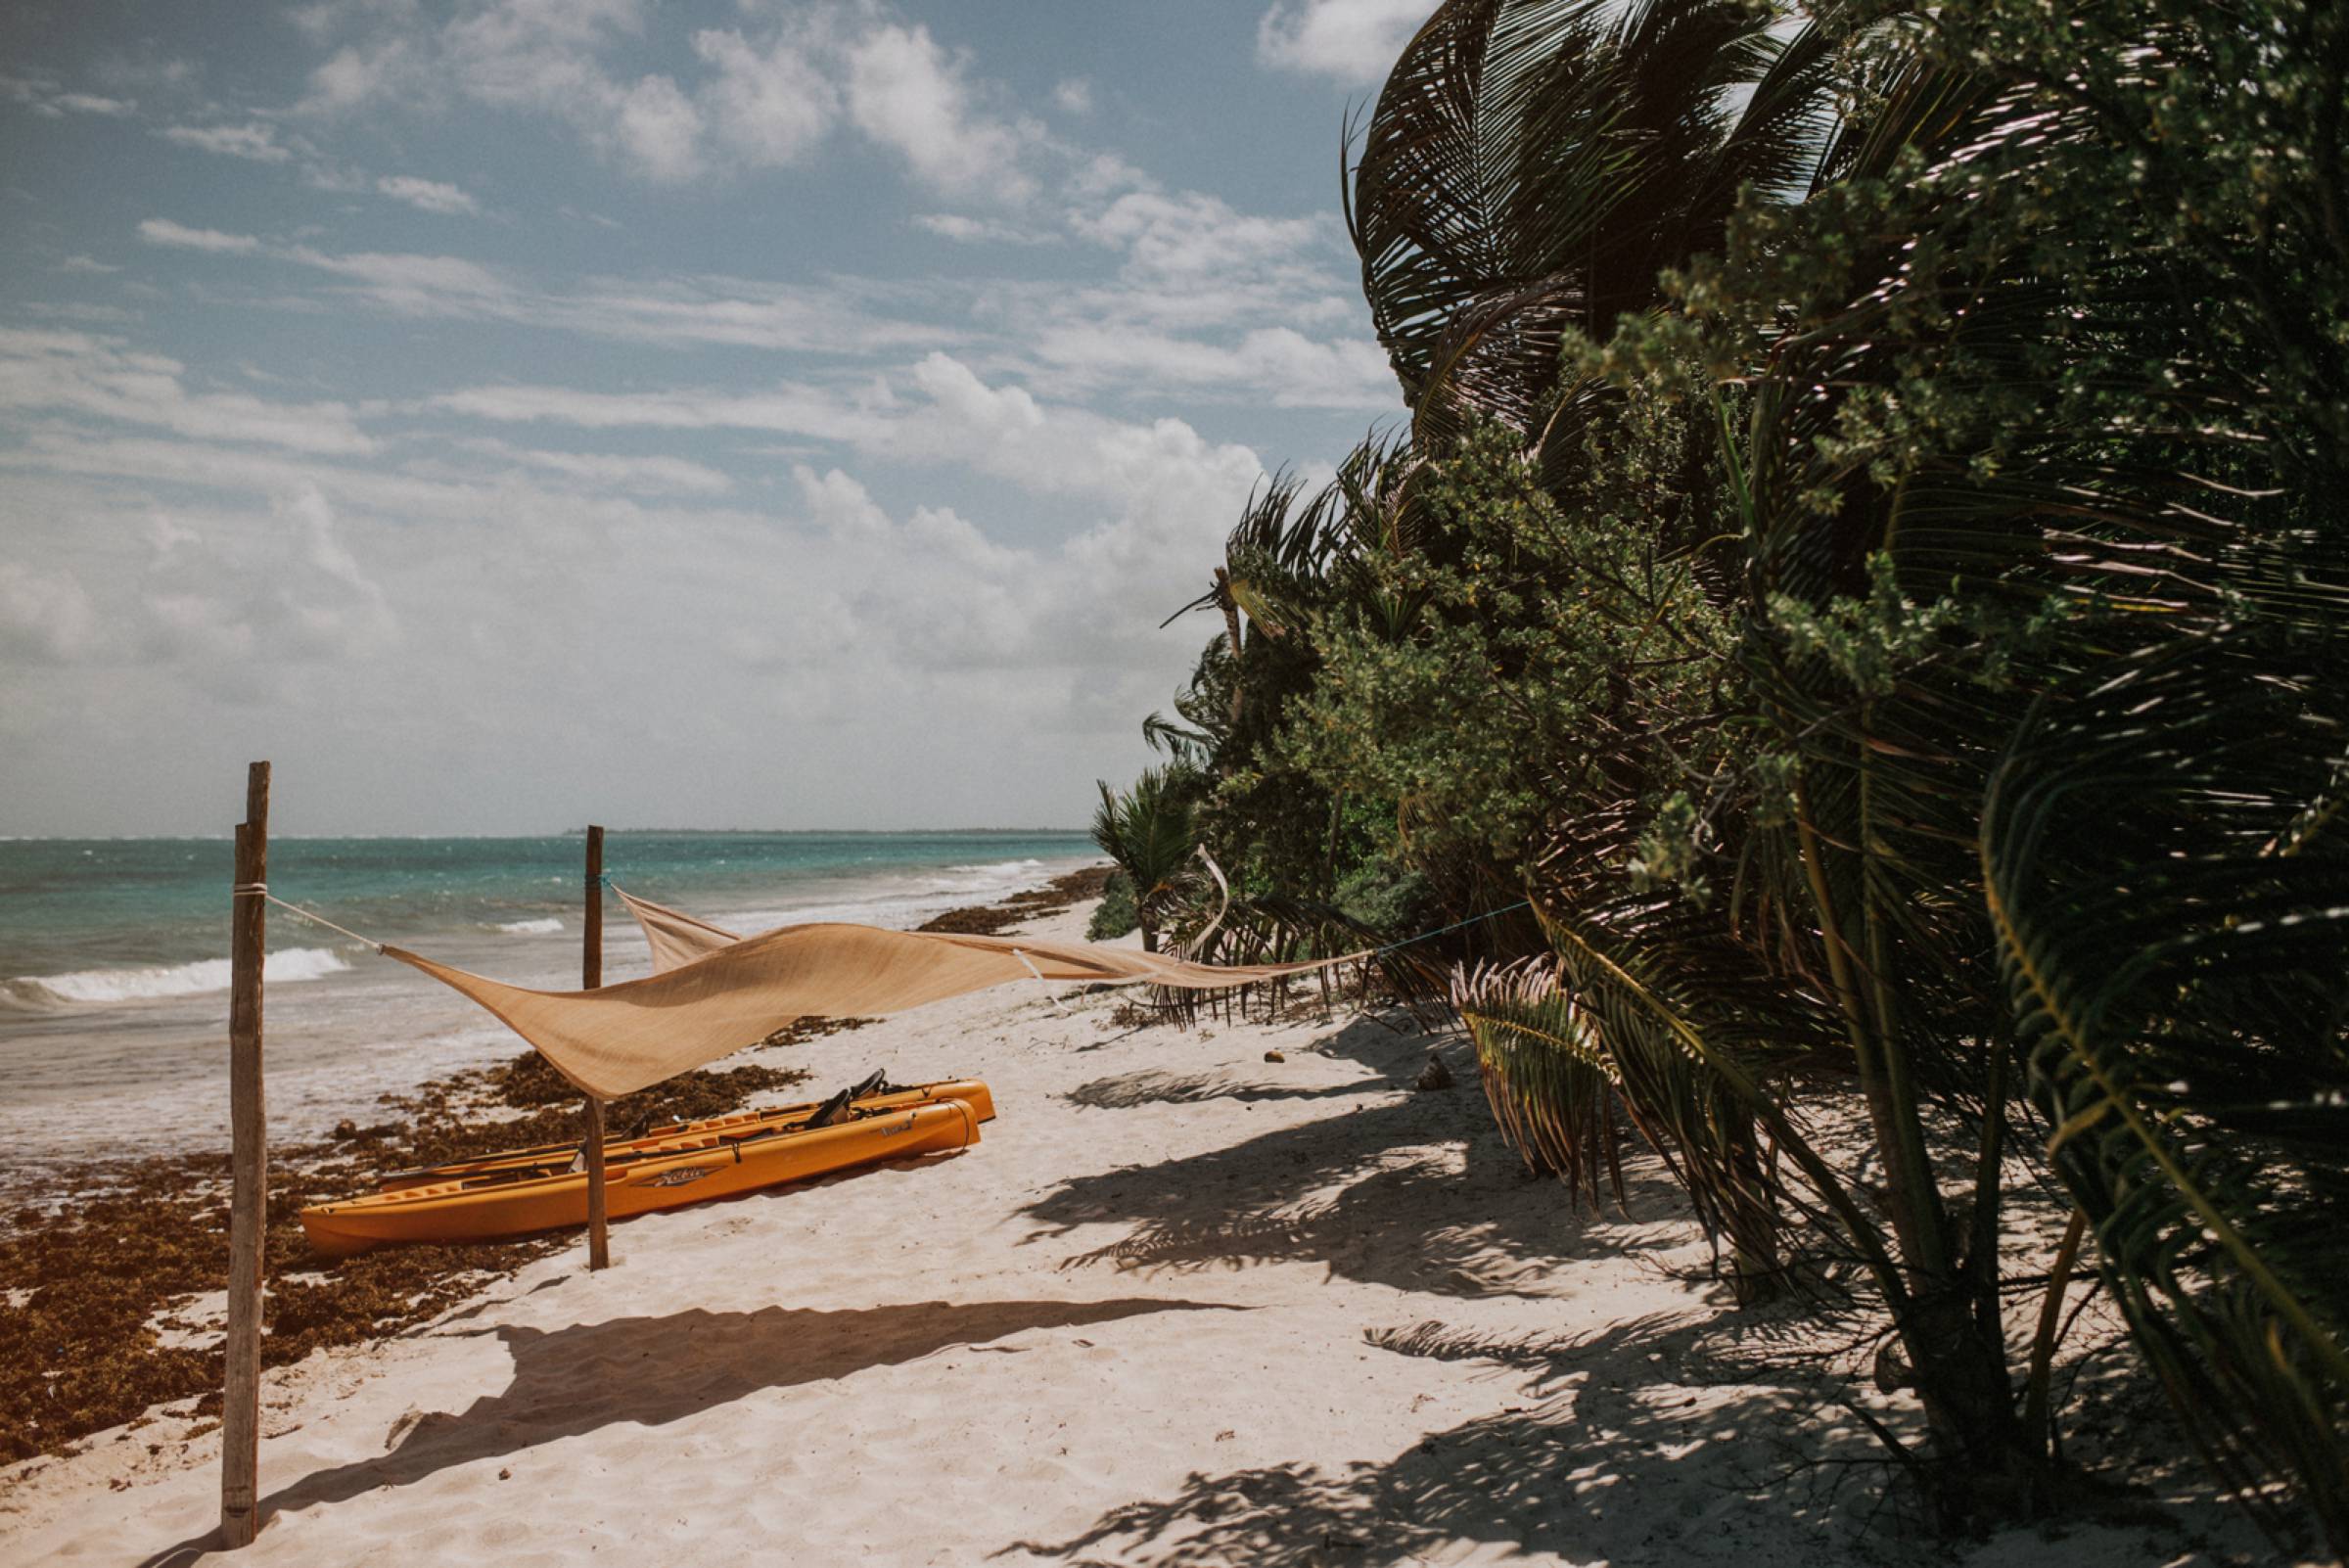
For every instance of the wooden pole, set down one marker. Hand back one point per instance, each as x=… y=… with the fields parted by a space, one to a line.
x=592 y=975
x=249 y=1165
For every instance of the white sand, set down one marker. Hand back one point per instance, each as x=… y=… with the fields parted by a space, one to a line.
x=1183 y=1306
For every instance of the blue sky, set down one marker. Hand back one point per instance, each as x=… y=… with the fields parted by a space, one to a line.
x=512 y=412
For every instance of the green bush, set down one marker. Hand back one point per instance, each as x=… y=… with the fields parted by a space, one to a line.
x=1115 y=915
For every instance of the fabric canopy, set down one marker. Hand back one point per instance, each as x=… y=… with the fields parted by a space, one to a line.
x=618 y=1039
x=677 y=937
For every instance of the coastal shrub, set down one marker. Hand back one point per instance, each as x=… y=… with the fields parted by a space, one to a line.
x=1866 y=561
x=1115 y=915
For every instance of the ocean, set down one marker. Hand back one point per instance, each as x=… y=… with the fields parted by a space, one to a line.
x=114 y=975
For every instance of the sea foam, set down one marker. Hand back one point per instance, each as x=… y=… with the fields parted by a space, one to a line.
x=530 y=928
x=88 y=987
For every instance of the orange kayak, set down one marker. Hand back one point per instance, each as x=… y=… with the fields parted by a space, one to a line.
x=697 y=1167
x=550 y=1159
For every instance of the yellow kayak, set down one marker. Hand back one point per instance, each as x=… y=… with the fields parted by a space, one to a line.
x=694 y=1168
x=550 y=1159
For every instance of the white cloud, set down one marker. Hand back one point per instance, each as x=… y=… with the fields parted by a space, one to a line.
x=743 y=312
x=256 y=141
x=92 y=104
x=44 y=97
x=772 y=106
x=162 y=231
x=788 y=409
x=353 y=76
x=416 y=285
x=1277 y=364
x=88 y=265
x=657 y=128
x=966 y=230
x=44 y=616
x=908 y=94
x=103 y=377
x=1197 y=237
x=430 y=196
x=1351 y=40
x=651 y=475
x=284 y=587
x=765 y=94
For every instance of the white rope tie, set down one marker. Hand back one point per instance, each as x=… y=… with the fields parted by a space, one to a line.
x=1051 y=994
x=262 y=890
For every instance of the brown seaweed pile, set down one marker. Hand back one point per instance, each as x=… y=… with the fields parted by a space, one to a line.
x=94 y=1283
x=1061 y=892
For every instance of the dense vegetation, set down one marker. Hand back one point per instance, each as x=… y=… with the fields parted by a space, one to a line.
x=1864 y=562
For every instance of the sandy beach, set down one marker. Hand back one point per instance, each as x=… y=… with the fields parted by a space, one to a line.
x=1183 y=1305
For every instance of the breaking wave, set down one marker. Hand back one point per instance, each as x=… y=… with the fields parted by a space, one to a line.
x=99 y=987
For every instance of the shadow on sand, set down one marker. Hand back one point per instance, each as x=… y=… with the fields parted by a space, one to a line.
x=576 y=1380
x=1621 y=1455
x=1411 y=1191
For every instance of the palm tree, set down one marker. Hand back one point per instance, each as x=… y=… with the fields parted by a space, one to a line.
x=1150 y=833
x=2036 y=816
x=1532 y=165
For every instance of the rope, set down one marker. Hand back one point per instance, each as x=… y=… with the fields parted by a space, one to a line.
x=1049 y=995
x=262 y=891
x=1430 y=936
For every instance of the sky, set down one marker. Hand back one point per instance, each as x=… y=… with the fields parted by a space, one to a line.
x=503 y=414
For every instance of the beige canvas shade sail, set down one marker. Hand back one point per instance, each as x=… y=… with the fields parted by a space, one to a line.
x=619 y=1038
x=677 y=937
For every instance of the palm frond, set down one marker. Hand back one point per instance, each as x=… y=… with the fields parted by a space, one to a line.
x=2172 y=904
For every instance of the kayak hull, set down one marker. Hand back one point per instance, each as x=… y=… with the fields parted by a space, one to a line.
x=684 y=1134
x=495 y=1206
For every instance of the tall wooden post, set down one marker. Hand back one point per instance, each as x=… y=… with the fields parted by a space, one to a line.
x=592 y=975
x=248 y=1166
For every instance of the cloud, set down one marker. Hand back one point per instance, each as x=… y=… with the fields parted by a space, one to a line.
x=788 y=409
x=44 y=97
x=1279 y=364
x=355 y=75
x=430 y=196
x=1073 y=95
x=1195 y=237
x=87 y=265
x=284 y=587
x=45 y=617
x=822 y=318
x=636 y=475
x=1350 y=40
x=256 y=141
x=416 y=285
x=162 y=231
x=906 y=93
x=762 y=96
x=772 y=106
x=967 y=230
x=92 y=104
x=103 y=377
x=657 y=128
x=945 y=413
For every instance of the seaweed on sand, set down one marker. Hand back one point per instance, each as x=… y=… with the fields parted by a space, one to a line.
x=102 y=1285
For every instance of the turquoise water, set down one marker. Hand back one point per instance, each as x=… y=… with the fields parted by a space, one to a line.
x=71 y=907
x=113 y=980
